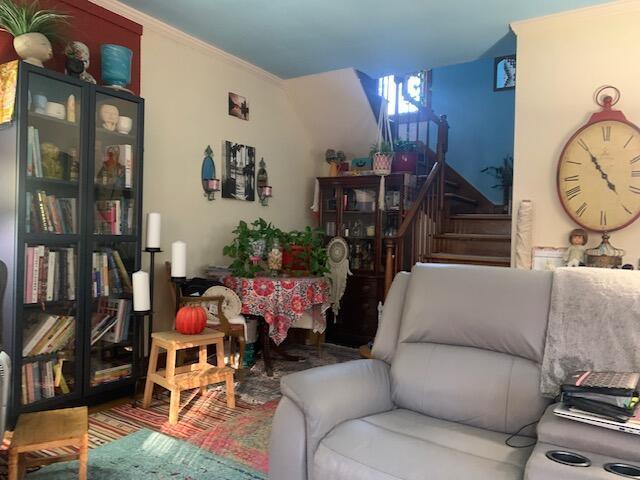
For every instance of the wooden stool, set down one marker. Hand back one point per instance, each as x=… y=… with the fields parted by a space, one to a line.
x=52 y=429
x=197 y=375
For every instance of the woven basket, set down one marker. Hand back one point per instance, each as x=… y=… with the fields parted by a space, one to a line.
x=382 y=163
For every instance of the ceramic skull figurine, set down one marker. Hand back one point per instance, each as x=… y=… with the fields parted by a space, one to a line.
x=79 y=51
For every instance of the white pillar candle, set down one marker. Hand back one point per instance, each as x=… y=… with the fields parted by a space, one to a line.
x=153 y=230
x=141 y=298
x=178 y=259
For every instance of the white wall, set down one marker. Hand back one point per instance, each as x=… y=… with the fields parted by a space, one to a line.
x=185 y=83
x=336 y=112
x=562 y=60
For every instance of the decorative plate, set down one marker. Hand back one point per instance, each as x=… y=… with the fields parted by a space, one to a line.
x=231 y=306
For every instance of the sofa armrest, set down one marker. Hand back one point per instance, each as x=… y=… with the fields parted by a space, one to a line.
x=582 y=436
x=336 y=393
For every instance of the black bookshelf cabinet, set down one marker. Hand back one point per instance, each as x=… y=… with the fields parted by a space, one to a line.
x=70 y=226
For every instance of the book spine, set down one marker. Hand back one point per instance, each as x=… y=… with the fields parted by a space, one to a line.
x=51 y=270
x=37 y=158
x=42 y=211
x=43 y=275
x=37 y=383
x=71 y=274
x=127 y=152
x=38 y=253
x=104 y=272
x=30 y=151
x=124 y=275
x=25 y=395
x=28 y=289
x=27 y=218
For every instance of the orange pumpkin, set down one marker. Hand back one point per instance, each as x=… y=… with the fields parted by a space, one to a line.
x=191 y=320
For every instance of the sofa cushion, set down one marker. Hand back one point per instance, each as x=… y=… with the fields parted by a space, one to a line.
x=384 y=346
x=476 y=387
x=402 y=444
x=492 y=308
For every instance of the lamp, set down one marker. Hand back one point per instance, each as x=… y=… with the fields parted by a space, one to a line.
x=265 y=191
x=210 y=184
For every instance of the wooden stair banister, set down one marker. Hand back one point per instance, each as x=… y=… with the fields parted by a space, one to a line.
x=423 y=222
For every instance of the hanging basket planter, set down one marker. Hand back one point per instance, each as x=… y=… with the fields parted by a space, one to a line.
x=382 y=163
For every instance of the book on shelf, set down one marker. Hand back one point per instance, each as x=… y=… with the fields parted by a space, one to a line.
x=111 y=374
x=66 y=163
x=111 y=320
x=38 y=381
x=109 y=275
x=50 y=274
x=49 y=214
x=116 y=167
x=47 y=333
x=114 y=217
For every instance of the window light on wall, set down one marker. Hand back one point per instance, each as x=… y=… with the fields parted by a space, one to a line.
x=388 y=88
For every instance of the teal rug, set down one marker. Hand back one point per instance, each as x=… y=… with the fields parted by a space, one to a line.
x=148 y=455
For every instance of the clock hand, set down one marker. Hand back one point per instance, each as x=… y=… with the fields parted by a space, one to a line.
x=604 y=176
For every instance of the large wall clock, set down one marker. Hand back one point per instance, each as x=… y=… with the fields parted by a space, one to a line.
x=599 y=170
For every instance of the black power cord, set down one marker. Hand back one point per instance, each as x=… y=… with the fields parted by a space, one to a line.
x=513 y=435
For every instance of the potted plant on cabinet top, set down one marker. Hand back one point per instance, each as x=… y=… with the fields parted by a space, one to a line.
x=382 y=156
x=32 y=29
x=407 y=156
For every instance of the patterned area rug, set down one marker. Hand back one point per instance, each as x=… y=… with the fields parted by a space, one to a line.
x=148 y=455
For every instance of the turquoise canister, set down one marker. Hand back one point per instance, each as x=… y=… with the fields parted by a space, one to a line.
x=116 y=65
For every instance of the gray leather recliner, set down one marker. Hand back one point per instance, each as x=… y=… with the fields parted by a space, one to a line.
x=456 y=373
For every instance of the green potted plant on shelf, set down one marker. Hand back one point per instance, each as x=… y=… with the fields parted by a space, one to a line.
x=504 y=176
x=249 y=245
x=32 y=28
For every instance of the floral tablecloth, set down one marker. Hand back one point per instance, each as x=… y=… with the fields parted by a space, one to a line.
x=282 y=301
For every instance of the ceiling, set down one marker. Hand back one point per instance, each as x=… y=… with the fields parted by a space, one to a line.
x=290 y=38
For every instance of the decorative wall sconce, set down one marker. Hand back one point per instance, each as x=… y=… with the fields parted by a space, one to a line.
x=210 y=184
x=265 y=191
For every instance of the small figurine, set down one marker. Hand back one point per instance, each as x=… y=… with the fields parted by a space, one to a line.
x=109 y=114
x=574 y=256
x=78 y=51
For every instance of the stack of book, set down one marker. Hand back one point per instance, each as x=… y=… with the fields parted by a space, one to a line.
x=38 y=381
x=47 y=333
x=50 y=274
x=46 y=213
x=66 y=164
x=109 y=275
x=114 y=217
x=111 y=321
x=111 y=374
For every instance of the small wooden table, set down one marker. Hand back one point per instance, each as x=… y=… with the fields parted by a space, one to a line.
x=196 y=375
x=68 y=427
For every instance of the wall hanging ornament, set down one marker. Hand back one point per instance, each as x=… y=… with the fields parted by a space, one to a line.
x=265 y=191
x=338 y=264
x=239 y=171
x=210 y=184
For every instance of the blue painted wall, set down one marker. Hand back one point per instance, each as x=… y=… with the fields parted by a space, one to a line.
x=481 y=121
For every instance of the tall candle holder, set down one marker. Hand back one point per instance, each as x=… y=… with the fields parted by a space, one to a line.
x=145 y=343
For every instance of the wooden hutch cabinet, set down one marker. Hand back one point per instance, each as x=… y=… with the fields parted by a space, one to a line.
x=349 y=208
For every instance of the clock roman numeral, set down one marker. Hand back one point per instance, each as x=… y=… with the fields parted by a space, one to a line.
x=572 y=178
x=581 y=209
x=606 y=133
x=574 y=192
x=575 y=163
x=627 y=210
x=633 y=189
x=628 y=141
x=603 y=217
x=635 y=159
x=635 y=173
x=583 y=145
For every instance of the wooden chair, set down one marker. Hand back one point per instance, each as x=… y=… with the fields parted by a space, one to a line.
x=234 y=332
x=67 y=427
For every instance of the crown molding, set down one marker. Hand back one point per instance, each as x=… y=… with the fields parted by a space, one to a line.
x=594 y=11
x=152 y=23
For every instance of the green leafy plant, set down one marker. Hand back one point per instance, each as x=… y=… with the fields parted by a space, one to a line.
x=18 y=18
x=313 y=251
x=384 y=148
x=503 y=175
x=405 y=146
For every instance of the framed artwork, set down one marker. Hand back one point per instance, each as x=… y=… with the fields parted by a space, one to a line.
x=504 y=73
x=238 y=106
x=238 y=171
x=547 y=258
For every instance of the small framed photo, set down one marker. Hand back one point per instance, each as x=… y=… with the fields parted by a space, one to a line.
x=547 y=258
x=238 y=106
x=504 y=73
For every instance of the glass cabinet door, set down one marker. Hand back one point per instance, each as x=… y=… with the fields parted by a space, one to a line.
x=329 y=211
x=53 y=184
x=359 y=226
x=114 y=254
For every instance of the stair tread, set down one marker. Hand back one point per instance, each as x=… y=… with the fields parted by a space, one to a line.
x=461 y=198
x=475 y=236
x=470 y=258
x=480 y=216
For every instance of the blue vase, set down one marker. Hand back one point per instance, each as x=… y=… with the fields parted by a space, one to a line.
x=116 y=65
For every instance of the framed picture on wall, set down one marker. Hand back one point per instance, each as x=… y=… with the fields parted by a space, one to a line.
x=238 y=106
x=238 y=171
x=504 y=73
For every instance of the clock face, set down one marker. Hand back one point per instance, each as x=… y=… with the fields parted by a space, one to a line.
x=599 y=175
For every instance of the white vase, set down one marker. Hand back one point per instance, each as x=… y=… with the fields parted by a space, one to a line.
x=33 y=48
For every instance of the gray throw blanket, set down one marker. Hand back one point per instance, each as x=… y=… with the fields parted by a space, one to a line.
x=594 y=324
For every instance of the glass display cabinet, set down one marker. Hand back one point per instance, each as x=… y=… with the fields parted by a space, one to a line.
x=349 y=207
x=70 y=189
